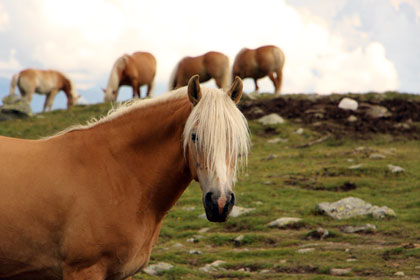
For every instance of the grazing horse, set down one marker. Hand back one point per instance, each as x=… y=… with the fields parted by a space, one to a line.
x=133 y=70
x=260 y=62
x=210 y=65
x=48 y=82
x=88 y=203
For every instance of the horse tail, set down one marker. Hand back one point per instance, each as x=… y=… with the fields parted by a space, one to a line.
x=172 y=79
x=13 y=83
x=280 y=59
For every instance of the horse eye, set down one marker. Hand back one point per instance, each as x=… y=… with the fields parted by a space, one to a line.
x=194 y=137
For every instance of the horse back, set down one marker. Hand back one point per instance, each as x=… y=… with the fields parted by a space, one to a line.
x=141 y=66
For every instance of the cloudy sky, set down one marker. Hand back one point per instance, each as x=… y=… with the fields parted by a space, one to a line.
x=330 y=45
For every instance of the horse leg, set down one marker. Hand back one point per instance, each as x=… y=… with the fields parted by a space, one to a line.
x=49 y=100
x=279 y=80
x=256 y=85
x=94 y=272
x=275 y=82
x=136 y=90
x=149 y=88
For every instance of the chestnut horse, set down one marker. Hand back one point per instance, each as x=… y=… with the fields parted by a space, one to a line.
x=48 y=82
x=88 y=203
x=133 y=70
x=260 y=62
x=210 y=65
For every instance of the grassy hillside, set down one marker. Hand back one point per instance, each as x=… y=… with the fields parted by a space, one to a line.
x=288 y=184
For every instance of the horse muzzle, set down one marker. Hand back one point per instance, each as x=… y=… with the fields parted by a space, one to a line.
x=218 y=207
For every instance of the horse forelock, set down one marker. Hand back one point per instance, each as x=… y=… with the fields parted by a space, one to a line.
x=72 y=87
x=221 y=129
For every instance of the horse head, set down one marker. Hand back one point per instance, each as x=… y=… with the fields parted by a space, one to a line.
x=110 y=95
x=216 y=137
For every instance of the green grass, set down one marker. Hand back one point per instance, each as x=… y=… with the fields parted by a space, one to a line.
x=290 y=185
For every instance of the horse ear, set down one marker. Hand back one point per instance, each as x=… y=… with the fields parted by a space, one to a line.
x=194 y=90
x=235 y=91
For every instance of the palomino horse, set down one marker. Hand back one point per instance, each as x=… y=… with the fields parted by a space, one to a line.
x=260 y=62
x=88 y=203
x=210 y=65
x=48 y=82
x=133 y=70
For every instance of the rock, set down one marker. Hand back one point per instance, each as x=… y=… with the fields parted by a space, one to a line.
x=15 y=107
x=239 y=211
x=277 y=140
x=286 y=222
x=348 y=104
x=376 y=111
x=256 y=111
x=212 y=267
x=356 y=166
x=188 y=208
x=158 y=269
x=350 y=207
x=340 y=271
x=270 y=157
x=204 y=230
x=194 y=239
x=352 y=118
x=368 y=228
x=271 y=119
x=177 y=246
x=194 y=252
x=319 y=233
x=238 y=240
x=265 y=271
x=351 y=260
x=376 y=156
x=305 y=250
x=395 y=168
x=299 y=131
x=399 y=273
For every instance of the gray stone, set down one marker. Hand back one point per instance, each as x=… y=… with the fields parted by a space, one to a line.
x=340 y=271
x=305 y=250
x=194 y=252
x=352 y=118
x=399 y=273
x=350 y=207
x=270 y=157
x=299 y=131
x=158 y=269
x=319 y=233
x=212 y=267
x=376 y=156
x=238 y=240
x=277 y=140
x=395 y=168
x=356 y=166
x=239 y=211
x=286 y=222
x=204 y=230
x=271 y=119
x=15 y=107
x=376 y=111
x=355 y=229
x=348 y=104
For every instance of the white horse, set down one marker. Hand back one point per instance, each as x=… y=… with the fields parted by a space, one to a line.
x=46 y=82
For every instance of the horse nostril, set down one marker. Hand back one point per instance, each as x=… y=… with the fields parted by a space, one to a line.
x=232 y=198
x=208 y=197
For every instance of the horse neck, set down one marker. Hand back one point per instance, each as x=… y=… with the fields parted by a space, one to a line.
x=115 y=76
x=146 y=143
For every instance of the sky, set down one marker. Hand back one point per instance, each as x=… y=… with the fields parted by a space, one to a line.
x=331 y=46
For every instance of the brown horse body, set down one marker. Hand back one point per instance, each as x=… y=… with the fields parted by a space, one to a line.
x=260 y=62
x=211 y=65
x=133 y=70
x=48 y=82
x=88 y=203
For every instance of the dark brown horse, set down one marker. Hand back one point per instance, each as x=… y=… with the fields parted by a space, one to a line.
x=260 y=62
x=210 y=65
x=133 y=70
x=46 y=82
x=89 y=202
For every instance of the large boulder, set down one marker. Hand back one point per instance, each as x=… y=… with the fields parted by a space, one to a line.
x=14 y=107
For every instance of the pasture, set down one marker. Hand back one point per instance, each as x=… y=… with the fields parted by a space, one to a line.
x=299 y=174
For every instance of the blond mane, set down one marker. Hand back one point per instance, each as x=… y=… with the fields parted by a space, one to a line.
x=221 y=128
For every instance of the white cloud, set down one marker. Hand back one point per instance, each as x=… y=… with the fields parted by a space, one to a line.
x=10 y=65
x=4 y=18
x=414 y=3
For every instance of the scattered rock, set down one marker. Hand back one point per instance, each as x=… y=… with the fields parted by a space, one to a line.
x=238 y=240
x=375 y=111
x=188 y=208
x=270 y=157
x=265 y=271
x=277 y=140
x=286 y=222
x=368 y=228
x=195 y=239
x=319 y=233
x=212 y=267
x=299 y=131
x=271 y=119
x=348 y=104
x=352 y=207
x=356 y=166
x=399 y=273
x=352 y=118
x=376 y=156
x=395 y=168
x=239 y=211
x=194 y=252
x=351 y=260
x=158 y=269
x=305 y=250
x=14 y=107
x=340 y=271
x=204 y=230
x=257 y=111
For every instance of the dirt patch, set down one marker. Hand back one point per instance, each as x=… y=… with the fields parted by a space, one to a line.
x=401 y=116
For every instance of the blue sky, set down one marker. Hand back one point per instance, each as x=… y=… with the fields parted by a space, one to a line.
x=330 y=45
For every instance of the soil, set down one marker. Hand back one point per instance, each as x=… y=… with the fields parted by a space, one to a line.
x=400 y=118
